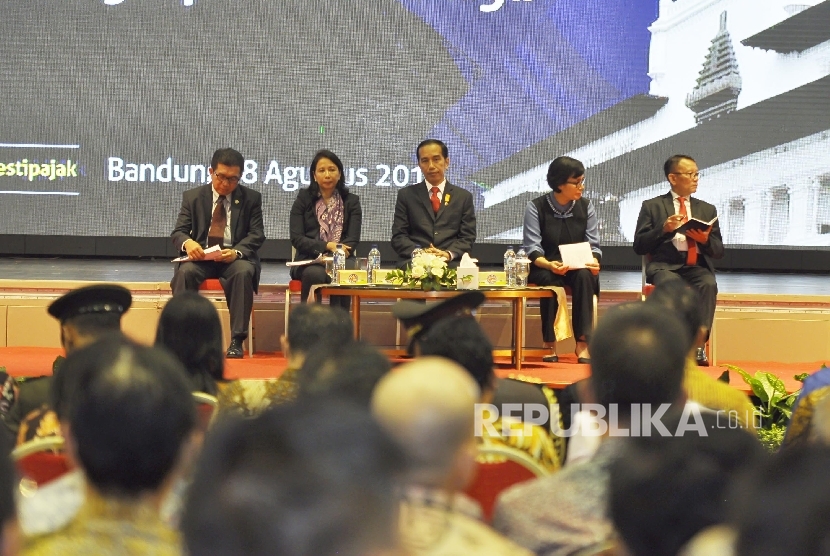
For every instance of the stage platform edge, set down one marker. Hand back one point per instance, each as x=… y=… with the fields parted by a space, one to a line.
x=765 y=329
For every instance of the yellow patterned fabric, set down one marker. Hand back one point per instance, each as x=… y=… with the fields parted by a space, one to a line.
x=714 y=394
x=560 y=446
x=40 y=423
x=248 y=398
x=440 y=531
x=800 y=428
x=106 y=527
x=531 y=439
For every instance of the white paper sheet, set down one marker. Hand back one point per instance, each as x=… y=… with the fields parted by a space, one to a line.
x=319 y=260
x=576 y=255
x=211 y=254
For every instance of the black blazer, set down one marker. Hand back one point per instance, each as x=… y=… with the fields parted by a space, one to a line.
x=304 y=229
x=649 y=238
x=247 y=229
x=452 y=229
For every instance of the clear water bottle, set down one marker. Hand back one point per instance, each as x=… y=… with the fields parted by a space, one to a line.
x=522 y=268
x=339 y=262
x=417 y=251
x=510 y=266
x=374 y=262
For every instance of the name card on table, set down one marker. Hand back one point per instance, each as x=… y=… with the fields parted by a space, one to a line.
x=492 y=278
x=379 y=275
x=352 y=277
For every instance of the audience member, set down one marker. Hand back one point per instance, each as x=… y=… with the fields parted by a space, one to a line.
x=461 y=339
x=350 y=370
x=666 y=489
x=427 y=406
x=53 y=505
x=311 y=327
x=637 y=357
x=85 y=314
x=130 y=417
x=311 y=479
x=189 y=327
x=677 y=297
x=9 y=530
x=785 y=508
x=417 y=318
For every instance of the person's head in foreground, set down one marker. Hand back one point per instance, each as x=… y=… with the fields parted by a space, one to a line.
x=310 y=479
x=638 y=357
x=678 y=298
x=128 y=418
x=350 y=371
x=427 y=406
x=130 y=412
x=461 y=339
x=666 y=489
x=785 y=508
x=189 y=327
x=86 y=314
x=312 y=326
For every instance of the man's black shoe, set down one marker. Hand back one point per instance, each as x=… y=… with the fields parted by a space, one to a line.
x=702 y=360
x=235 y=349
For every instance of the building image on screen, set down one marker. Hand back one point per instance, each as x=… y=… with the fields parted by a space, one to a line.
x=112 y=108
x=743 y=88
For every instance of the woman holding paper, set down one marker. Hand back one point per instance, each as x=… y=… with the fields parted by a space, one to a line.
x=323 y=215
x=563 y=217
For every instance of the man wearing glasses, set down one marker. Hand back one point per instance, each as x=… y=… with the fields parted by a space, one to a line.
x=687 y=255
x=228 y=215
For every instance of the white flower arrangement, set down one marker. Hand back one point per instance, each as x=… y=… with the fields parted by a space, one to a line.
x=426 y=271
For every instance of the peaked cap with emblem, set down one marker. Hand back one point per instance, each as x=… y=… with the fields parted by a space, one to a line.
x=418 y=318
x=97 y=299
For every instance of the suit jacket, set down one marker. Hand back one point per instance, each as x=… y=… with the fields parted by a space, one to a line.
x=649 y=238
x=247 y=229
x=304 y=228
x=452 y=229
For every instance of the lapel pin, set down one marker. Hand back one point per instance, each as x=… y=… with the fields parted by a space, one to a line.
x=446 y=199
x=236 y=202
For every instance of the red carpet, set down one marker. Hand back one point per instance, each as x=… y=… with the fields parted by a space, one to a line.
x=31 y=361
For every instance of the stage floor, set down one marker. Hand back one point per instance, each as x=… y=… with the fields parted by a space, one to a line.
x=31 y=361
x=115 y=270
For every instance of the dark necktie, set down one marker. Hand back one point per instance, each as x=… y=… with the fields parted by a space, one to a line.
x=216 y=235
x=436 y=201
x=691 y=255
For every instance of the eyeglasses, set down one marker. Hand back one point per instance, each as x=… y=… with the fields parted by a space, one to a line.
x=690 y=175
x=580 y=183
x=233 y=180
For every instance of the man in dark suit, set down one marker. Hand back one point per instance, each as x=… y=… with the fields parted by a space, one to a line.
x=688 y=255
x=229 y=215
x=434 y=214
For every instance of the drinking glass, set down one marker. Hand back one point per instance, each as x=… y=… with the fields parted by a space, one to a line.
x=522 y=271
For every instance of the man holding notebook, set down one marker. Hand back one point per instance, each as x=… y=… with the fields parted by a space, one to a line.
x=675 y=247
